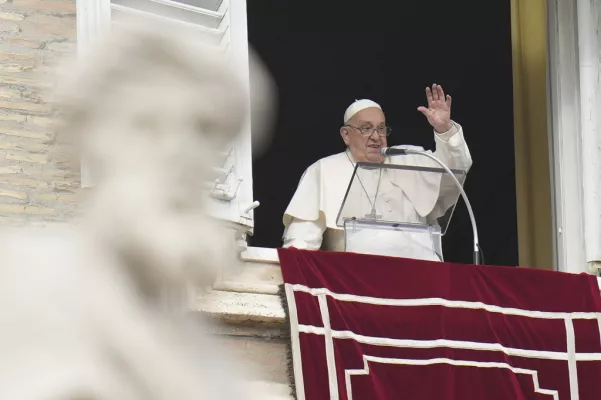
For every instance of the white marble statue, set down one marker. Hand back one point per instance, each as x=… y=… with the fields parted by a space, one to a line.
x=81 y=306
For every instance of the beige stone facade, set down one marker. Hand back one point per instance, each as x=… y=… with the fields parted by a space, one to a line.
x=37 y=184
x=265 y=358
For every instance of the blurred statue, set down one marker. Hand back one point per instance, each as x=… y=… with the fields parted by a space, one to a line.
x=81 y=305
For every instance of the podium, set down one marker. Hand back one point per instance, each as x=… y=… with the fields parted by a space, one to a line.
x=398 y=210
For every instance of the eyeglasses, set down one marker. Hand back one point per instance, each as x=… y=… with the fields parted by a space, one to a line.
x=367 y=131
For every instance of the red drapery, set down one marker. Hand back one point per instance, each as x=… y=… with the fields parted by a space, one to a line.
x=369 y=327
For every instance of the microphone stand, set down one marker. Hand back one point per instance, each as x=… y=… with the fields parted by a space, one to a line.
x=390 y=151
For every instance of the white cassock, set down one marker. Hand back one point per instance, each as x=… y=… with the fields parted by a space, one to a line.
x=310 y=220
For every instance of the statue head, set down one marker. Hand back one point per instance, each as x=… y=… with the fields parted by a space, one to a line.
x=151 y=112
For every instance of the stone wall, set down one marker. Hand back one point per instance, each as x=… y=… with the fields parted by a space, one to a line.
x=37 y=184
x=265 y=358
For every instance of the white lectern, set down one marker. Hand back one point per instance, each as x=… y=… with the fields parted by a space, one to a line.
x=399 y=210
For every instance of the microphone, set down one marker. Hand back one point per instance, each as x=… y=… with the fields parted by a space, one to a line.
x=391 y=151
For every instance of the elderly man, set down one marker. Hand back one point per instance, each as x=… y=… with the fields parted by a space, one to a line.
x=310 y=219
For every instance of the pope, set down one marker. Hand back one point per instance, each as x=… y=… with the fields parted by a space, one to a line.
x=311 y=216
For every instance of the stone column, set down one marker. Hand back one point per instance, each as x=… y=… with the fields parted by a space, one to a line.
x=589 y=45
x=575 y=101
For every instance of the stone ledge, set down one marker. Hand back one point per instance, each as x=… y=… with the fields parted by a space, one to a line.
x=245 y=300
x=261 y=254
x=256 y=330
x=246 y=287
x=251 y=277
x=241 y=308
x=253 y=271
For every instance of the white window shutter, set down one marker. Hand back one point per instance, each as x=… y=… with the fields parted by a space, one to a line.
x=223 y=24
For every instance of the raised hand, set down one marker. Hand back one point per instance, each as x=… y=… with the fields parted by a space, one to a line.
x=438 y=112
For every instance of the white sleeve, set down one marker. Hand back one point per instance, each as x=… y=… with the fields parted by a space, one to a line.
x=452 y=150
x=305 y=235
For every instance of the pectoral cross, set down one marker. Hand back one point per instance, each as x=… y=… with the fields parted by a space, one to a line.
x=373 y=215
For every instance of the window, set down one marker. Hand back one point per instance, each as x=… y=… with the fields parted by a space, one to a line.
x=221 y=23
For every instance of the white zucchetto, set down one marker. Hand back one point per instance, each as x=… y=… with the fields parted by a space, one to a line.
x=357 y=106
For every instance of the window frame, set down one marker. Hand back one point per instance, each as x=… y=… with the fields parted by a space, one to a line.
x=94 y=18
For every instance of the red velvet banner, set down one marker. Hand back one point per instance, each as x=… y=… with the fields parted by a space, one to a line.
x=368 y=327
